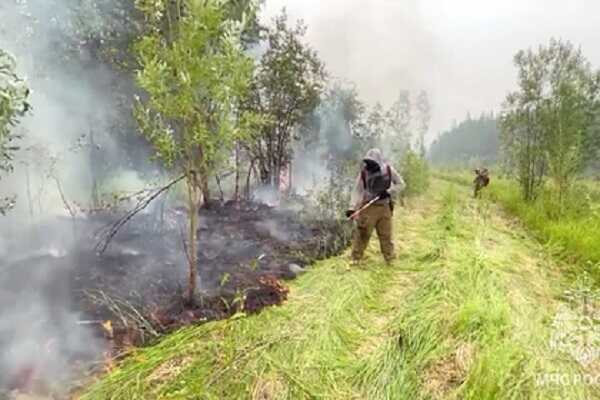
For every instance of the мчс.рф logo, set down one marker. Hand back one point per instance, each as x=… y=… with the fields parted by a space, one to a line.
x=576 y=326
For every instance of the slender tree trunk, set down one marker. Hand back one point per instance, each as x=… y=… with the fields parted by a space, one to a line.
x=276 y=174
x=255 y=172
x=192 y=256
x=247 y=191
x=205 y=188
x=218 y=180
x=265 y=172
x=236 y=194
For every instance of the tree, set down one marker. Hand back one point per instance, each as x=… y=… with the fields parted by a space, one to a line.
x=193 y=70
x=549 y=125
x=343 y=116
x=567 y=113
x=286 y=88
x=522 y=145
x=399 y=118
x=423 y=120
x=376 y=125
x=13 y=105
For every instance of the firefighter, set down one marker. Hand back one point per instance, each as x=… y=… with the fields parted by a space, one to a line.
x=376 y=180
x=482 y=179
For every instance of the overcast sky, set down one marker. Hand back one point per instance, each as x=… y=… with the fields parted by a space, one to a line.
x=460 y=51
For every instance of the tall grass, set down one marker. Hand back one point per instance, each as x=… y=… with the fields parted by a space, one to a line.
x=473 y=327
x=570 y=230
x=465 y=313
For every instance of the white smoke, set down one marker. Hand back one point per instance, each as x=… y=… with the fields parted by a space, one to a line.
x=66 y=142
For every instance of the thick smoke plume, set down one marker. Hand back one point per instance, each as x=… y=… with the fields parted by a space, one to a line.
x=68 y=147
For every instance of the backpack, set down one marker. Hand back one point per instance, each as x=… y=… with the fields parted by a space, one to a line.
x=377 y=182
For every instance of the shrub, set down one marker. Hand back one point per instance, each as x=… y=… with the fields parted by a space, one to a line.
x=415 y=172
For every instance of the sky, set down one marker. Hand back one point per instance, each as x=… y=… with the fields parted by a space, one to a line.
x=459 y=51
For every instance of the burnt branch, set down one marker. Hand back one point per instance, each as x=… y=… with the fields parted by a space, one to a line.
x=111 y=230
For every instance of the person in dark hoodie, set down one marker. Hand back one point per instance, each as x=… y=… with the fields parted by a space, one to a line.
x=482 y=179
x=377 y=179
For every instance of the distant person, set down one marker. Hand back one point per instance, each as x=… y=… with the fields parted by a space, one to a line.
x=377 y=181
x=482 y=179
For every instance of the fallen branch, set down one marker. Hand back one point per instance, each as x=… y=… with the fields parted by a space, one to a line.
x=113 y=229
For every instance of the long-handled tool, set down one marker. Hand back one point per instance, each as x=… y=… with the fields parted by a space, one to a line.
x=363 y=208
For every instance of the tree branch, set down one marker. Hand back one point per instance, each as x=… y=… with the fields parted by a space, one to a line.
x=110 y=231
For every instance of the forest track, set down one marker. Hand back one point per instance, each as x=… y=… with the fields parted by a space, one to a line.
x=466 y=312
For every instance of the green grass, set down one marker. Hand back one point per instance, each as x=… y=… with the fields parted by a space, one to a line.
x=464 y=313
x=470 y=330
x=571 y=232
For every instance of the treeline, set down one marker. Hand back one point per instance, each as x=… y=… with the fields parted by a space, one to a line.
x=474 y=141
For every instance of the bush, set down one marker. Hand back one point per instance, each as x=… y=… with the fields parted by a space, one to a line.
x=415 y=172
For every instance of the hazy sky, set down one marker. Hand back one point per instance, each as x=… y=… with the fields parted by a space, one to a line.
x=460 y=51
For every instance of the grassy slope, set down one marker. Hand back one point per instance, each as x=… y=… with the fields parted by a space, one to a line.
x=464 y=313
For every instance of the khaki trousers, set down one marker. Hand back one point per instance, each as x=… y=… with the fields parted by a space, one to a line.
x=378 y=217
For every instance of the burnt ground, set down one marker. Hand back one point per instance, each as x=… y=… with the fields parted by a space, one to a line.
x=63 y=304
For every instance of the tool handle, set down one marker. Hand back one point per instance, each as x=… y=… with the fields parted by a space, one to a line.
x=363 y=208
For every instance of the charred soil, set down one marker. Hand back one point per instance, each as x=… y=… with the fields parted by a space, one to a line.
x=132 y=294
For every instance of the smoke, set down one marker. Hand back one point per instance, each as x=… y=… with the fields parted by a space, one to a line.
x=460 y=52
x=384 y=47
x=77 y=111
x=68 y=149
x=274 y=229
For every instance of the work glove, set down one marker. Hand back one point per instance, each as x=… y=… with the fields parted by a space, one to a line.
x=349 y=213
x=384 y=195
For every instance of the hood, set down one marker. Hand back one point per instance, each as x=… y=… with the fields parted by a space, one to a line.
x=377 y=156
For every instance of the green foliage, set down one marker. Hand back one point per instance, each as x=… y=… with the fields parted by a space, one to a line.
x=550 y=125
x=13 y=106
x=194 y=72
x=471 y=141
x=415 y=172
x=286 y=88
x=193 y=76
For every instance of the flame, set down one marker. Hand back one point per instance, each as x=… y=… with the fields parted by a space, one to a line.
x=108 y=328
